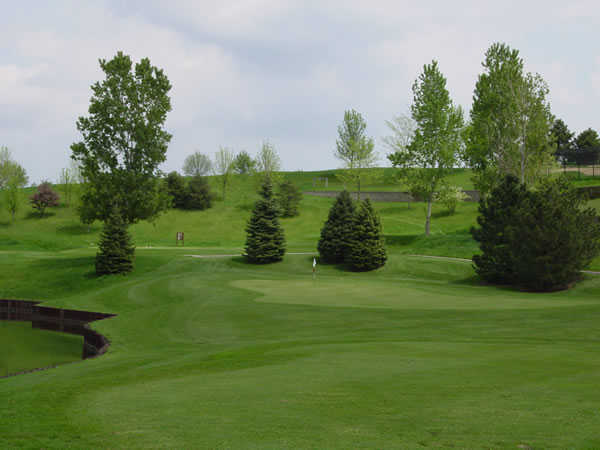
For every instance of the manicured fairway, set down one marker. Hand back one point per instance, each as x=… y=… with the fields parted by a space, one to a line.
x=214 y=353
x=24 y=348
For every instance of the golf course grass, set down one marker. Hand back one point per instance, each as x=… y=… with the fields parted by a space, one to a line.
x=215 y=353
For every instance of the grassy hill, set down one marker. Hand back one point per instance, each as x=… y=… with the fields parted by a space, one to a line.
x=216 y=353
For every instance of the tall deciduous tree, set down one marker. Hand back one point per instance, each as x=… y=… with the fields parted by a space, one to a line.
x=265 y=241
x=510 y=121
x=223 y=167
x=12 y=179
x=197 y=164
x=356 y=150
x=435 y=147
x=562 y=138
x=268 y=163
x=124 y=142
x=243 y=163
x=587 y=139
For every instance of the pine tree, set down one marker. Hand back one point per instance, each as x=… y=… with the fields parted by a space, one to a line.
x=265 y=242
x=336 y=235
x=116 y=249
x=497 y=213
x=367 y=251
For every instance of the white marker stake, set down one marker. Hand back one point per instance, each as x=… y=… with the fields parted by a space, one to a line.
x=314 y=267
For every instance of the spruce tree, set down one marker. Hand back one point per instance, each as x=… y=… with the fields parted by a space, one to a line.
x=497 y=214
x=367 y=251
x=116 y=249
x=265 y=242
x=336 y=235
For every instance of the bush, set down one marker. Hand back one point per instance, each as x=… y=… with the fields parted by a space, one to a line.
x=538 y=240
x=367 y=251
x=44 y=198
x=115 y=248
x=289 y=197
x=449 y=196
x=197 y=194
x=176 y=189
x=497 y=213
x=336 y=234
x=555 y=237
x=265 y=242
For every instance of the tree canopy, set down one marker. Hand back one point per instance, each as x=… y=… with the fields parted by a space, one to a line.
x=427 y=148
x=197 y=164
x=510 y=121
x=124 y=141
x=355 y=149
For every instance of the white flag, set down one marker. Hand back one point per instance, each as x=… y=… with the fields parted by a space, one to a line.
x=314 y=262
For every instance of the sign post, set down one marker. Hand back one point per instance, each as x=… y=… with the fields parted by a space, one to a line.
x=179 y=237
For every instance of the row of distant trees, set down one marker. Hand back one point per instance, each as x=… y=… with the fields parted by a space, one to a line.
x=581 y=150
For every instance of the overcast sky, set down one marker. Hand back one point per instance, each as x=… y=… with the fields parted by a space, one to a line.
x=249 y=70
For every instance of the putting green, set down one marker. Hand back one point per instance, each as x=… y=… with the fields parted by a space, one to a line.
x=408 y=294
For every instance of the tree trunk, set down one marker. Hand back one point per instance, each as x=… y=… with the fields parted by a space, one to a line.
x=428 y=220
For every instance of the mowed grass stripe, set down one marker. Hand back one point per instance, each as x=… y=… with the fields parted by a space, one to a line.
x=198 y=361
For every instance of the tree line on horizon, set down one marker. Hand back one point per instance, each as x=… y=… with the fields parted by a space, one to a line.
x=510 y=132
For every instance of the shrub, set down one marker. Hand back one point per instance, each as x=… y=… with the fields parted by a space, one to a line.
x=449 y=196
x=197 y=194
x=554 y=238
x=115 y=248
x=538 y=240
x=289 y=197
x=176 y=189
x=336 y=234
x=44 y=198
x=367 y=251
x=265 y=242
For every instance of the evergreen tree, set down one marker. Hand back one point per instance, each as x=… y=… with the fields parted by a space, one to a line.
x=367 y=251
x=336 y=235
x=265 y=242
x=497 y=213
x=539 y=240
x=555 y=236
x=116 y=249
x=176 y=189
x=197 y=194
x=289 y=197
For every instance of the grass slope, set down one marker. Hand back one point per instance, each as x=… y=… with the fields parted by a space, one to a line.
x=216 y=353
x=212 y=352
x=26 y=348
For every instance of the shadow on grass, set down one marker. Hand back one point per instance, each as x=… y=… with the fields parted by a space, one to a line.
x=77 y=229
x=400 y=240
x=440 y=214
x=36 y=215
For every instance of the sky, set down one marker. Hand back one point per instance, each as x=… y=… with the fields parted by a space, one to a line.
x=284 y=71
